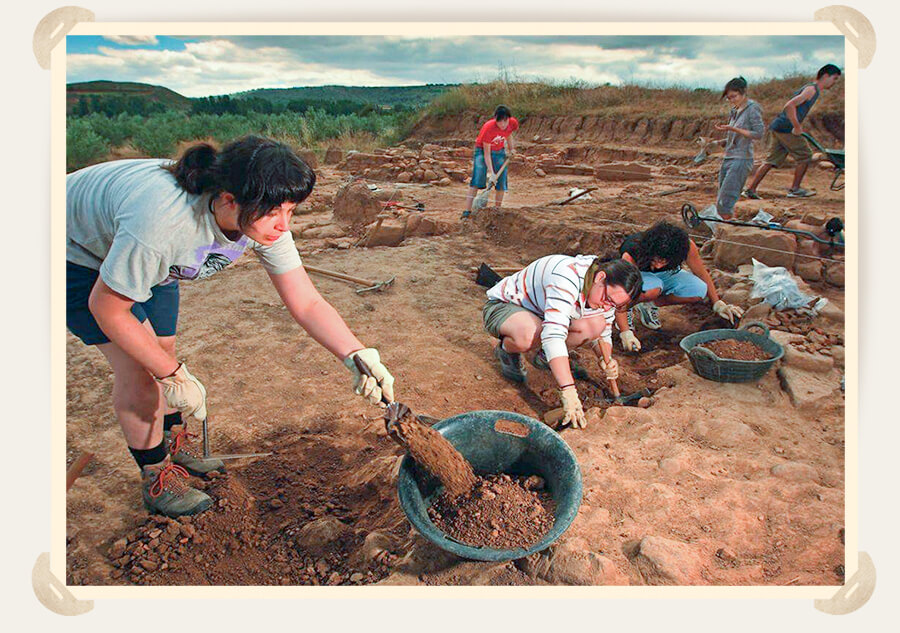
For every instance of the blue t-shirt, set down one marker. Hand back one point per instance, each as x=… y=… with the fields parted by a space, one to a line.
x=781 y=123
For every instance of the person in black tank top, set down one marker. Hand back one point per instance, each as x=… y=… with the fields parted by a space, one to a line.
x=659 y=253
x=785 y=134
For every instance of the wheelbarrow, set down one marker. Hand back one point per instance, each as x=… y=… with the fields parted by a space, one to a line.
x=496 y=442
x=834 y=226
x=835 y=157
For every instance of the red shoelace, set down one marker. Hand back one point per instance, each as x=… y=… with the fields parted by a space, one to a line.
x=167 y=479
x=180 y=439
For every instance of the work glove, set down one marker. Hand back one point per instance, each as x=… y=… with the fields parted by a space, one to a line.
x=630 y=342
x=185 y=393
x=491 y=179
x=574 y=413
x=727 y=311
x=371 y=388
x=610 y=369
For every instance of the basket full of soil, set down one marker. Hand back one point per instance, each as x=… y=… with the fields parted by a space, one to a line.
x=738 y=355
x=525 y=494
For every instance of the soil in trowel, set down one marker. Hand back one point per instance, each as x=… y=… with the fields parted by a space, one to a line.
x=737 y=350
x=433 y=452
x=501 y=512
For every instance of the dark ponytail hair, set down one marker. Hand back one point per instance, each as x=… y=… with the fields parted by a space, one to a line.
x=619 y=272
x=738 y=84
x=260 y=173
x=663 y=240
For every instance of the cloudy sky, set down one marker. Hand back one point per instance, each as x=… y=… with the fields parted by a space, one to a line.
x=202 y=66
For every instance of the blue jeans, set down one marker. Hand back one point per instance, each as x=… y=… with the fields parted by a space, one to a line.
x=679 y=283
x=479 y=169
x=732 y=176
x=161 y=309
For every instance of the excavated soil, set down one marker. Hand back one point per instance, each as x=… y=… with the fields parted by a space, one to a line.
x=715 y=483
x=434 y=453
x=500 y=512
x=736 y=350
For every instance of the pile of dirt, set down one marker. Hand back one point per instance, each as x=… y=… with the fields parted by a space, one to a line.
x=437 y=455
x=736 y=350
x=500 y=512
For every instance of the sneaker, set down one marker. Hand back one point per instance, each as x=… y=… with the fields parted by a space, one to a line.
x=165 y=491
x=539 y=360
x=800 y=192
x=511 y=365
x=749 y=193
x=630 y=317
x=649 y=314
x=185 y=452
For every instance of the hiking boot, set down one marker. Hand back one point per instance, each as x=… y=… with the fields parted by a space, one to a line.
x=165 y=490
x=539 y=360
x=749 y=193
x=649 y=314
x=185 y=451
x=511 y=365
x=800 y=192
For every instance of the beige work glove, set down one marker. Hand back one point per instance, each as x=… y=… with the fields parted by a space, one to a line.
x=574 y=413
x=371 y=388
x=727 y=311
x=185 y=393
x=630 y=342
x=610 y=369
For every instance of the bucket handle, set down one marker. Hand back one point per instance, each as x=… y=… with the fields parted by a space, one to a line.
x=698 y=352
x=757 y=324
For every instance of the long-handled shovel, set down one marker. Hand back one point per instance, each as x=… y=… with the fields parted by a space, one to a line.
x=481 y=199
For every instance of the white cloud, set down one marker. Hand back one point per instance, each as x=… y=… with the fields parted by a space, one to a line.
x=132 y=40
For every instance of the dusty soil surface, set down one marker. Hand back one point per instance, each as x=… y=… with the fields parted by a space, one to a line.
x=714 y=483
x=736 y=350
x=434 y=453
x=501 y=512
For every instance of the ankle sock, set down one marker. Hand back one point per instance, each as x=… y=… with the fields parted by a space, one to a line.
x=171 y=419
x=155 y=455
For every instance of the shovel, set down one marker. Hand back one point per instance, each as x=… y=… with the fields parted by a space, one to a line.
x=481 y=198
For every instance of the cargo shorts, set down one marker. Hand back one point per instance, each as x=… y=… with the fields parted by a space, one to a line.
x=780 y=144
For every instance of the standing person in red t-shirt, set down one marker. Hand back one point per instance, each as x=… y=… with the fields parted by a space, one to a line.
x=490 y=154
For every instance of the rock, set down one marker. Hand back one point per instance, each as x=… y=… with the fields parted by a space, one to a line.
x=355 y=205
x=832 y=314
x=389 y=233
x=785 y=338
x=540 y=172
x=571 y=562
x=756 y=312
x=645 y=402
x=276 y=503
x=429 y=175
x=736 y=245
x=356 y=577
x=375 y=545
x=325 y=231
x=795 y=471
x=806 y=360
x=662 y=561
x=723 y=432
x=149 y=565
x=738 y=294
x=118 y=548
x=629 y=415
x=593 y=415
x=309 y=157
x=333 y=155
x=317 y=535
x=809 y=270
x=809 y=389
x=834 y=275
x=404 y=176
x=622 y=171
x=443 y=182
x=838 y=353
x=671 y=465
x=726 y=555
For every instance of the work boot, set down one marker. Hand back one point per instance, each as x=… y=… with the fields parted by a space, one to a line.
x=649 y=314
x=186 y=452
x=511 y=365
x=165 y=490
x=539 y=360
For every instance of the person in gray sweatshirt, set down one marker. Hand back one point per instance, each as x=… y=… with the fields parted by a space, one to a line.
x=745 y=125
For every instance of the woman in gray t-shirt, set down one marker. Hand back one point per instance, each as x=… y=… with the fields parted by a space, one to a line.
x=134 y=228
x=745 y=125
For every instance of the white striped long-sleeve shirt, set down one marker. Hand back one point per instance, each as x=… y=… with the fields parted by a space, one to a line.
x=551 y=287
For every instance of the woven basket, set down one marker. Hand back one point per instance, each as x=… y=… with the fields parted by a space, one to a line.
x=711 y=367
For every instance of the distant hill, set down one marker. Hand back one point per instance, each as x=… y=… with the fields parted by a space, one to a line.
x=412 y=96
x=107 y=90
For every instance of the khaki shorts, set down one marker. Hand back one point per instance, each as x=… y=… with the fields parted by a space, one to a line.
x=781 y=144
x=495 y=312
